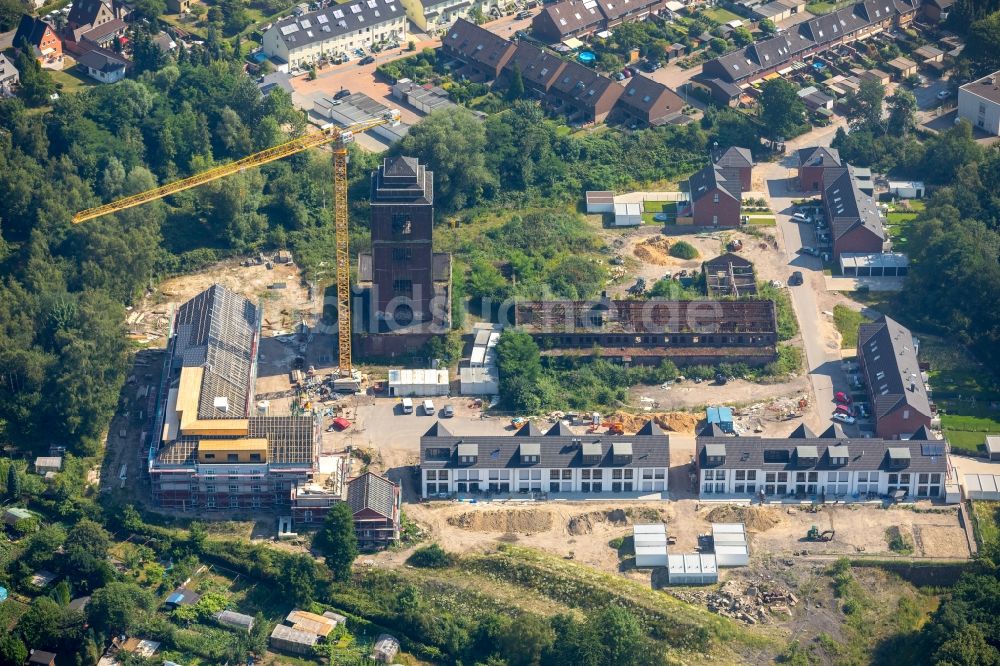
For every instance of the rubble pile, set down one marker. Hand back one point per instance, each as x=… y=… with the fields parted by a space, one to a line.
x=751 y=604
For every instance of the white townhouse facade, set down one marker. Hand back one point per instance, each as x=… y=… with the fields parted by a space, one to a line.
x=826 y=467
x=303 y=40
x=434 y=15
x=530 y=461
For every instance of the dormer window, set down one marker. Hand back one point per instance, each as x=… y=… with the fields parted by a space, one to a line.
x=839 y=455
x=621 y=453
x=530 y=453
x=899 y=457
x=591 y=453
x=715 y=453
x=468 y=454
x=806 y=455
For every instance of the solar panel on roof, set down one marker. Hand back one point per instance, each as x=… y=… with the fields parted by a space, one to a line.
x=305 y=23
x=322 y=18
x=289 y=29
x=356 y=9
x=932 y=449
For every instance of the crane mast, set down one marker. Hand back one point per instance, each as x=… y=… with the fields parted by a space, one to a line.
x=327 y=134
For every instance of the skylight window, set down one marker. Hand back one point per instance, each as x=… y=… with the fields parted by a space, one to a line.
x=355 y=9
x=305 y=23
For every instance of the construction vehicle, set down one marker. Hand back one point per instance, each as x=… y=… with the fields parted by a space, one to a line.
x=326 y=134
x=815 y=535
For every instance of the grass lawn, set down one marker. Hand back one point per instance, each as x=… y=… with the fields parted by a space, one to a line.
x=984 y=520
x=720 y=15
x=818 y=8
x=899 y=226
x=965 y=392
x=762 y=221
x=847 y=321
x=651 y=208
x=73 y=80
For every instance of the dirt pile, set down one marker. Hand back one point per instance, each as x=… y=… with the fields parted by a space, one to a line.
x=585 y=522
x=673 y=421
x=655 y=250
x=756 y=518
x=756 y=602
x=528 y=521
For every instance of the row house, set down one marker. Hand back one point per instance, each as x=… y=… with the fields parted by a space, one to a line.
x=573 y=18
x=553 y=462
x=887 y=355
x=301 y=41
x=432 y=16
x=826 y=467
x=813 y=163
x=778 y=54
x=564 y=87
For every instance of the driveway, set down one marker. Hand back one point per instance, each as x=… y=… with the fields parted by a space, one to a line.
x=819 y=336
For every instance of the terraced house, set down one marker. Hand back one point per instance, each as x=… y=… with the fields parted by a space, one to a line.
x=210 y=449
x=827 y=467
x=777 y=54
x=554 y=462
x=303 y=40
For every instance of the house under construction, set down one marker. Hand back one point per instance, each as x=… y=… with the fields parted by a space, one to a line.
x=729 y=275
x=647 y=331
x=210 y=449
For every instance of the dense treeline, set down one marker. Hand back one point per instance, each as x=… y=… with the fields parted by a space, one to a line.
x=62 y=345
x=954 y=247
x=519 y=156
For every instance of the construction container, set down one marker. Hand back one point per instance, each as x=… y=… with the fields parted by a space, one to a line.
x=692 y=569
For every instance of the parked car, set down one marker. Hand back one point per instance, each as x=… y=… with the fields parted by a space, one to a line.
x=844 y=409
x=811 y=251
x=619 y=76
x=796 y=278
x=448 y=411
x=367 y=60
x=944 y=94
x=429 y=407
x=523 y=15
x=720 y=379
x=342 y=93
x=844 y=418
x=801 y=218
x=407 y=405
x=626 y=73
x=842 y=398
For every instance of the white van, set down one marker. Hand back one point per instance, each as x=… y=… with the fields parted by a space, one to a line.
x=429 y=407
x=407 y=405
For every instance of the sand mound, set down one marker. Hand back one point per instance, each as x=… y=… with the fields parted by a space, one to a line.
x=655 y=250
x=673 y=421
x=527 y=521
x=585 y=522
x=756 y=518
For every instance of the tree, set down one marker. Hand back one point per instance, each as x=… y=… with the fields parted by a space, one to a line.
x=453 y=144
x=10 y=13
x=117 y=607
x=620 y=635
x=151 y=10
x=781 y=108
x=864 y=107
x=36 y=85
x=523 y=643
x=515 y=90
x=967 y=647
x=48 y=624
x=337 y=540
x=520 y=366
x=767 y=26
x=902 y=112
x=13 y=483
x=718 y=44
x=742 y=36
x=982 y=48
x=12 y=650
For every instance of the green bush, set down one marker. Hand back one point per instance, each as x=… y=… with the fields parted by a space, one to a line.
x=683 y=250
x=431 y=557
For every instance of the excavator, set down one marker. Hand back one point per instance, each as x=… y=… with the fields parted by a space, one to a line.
x=815 y=535
x=340 y=137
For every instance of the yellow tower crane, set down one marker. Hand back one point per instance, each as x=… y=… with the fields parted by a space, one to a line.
x=325 y=135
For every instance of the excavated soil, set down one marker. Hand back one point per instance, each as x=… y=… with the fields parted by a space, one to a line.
x=585 y=522
x=655 y=250
x=673 y=421
x=756 y=518
x=529 y=521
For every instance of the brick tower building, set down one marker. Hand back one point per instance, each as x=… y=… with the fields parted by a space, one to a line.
x=402 y=224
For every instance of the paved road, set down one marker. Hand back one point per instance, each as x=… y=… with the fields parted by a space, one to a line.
x=824 y=364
